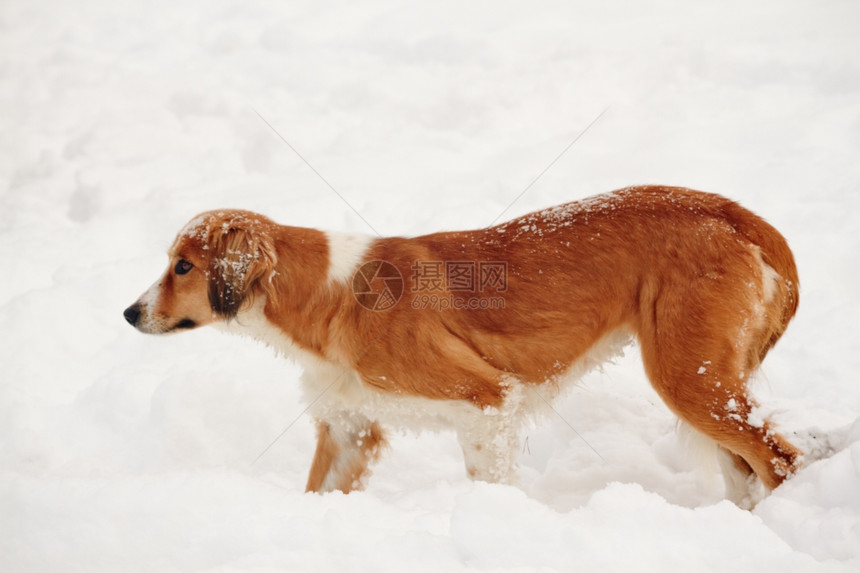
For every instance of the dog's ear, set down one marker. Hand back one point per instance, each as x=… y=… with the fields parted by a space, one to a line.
x=242 y=263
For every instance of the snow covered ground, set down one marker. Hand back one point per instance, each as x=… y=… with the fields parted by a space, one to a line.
x=120 y=120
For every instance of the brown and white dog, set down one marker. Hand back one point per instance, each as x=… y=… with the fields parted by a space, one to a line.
x=389 y=334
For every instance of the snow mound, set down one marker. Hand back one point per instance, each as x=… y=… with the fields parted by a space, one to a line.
x=499 y=529
x=818 y=510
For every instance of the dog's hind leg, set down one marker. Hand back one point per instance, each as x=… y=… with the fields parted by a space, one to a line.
x=719 y=407
x=345 y=449
x=739 y=478
x=700 y=342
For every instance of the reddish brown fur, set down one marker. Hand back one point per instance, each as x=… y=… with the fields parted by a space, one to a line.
x=677 y=268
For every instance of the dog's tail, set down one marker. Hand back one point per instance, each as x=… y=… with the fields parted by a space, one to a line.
x=777 y=255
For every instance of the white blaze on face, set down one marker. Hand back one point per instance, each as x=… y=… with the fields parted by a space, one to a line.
x=149 y=299
x=148 y=302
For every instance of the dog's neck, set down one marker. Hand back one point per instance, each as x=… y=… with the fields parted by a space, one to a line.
x=312 y=283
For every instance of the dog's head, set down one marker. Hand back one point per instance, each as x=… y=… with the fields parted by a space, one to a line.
x=219 y=262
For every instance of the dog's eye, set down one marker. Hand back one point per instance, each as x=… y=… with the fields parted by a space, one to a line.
x=182 y=267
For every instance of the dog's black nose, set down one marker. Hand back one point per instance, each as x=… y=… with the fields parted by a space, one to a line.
x=132 y=314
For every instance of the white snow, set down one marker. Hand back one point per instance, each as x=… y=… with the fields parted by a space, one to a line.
x=122 y=120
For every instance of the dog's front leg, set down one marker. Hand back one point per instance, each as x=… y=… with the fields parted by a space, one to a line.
x=489 y=440
x=345 y=448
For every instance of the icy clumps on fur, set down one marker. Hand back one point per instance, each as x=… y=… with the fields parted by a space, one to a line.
x=200 y=227
x=553 y=218
x=233 y=268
